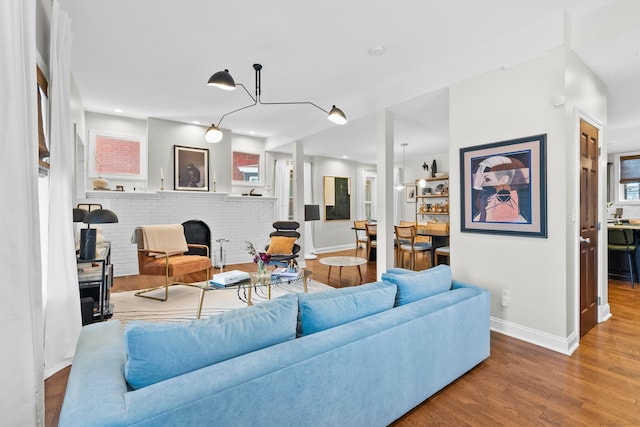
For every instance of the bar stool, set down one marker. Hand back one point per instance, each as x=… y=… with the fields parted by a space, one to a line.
x=621 y=240
x=443 y=252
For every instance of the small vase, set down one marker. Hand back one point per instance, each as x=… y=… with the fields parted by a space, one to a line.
x=262 y=270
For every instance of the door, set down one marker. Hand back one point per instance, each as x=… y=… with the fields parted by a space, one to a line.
x=588 y=227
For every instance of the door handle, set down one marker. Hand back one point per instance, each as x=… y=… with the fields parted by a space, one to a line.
x=585 y=240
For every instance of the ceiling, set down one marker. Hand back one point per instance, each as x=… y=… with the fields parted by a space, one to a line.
x=152 y=58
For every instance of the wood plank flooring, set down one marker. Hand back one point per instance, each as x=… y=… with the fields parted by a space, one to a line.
x=520 y=384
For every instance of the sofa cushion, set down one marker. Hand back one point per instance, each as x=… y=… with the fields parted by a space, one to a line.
x=158 y=351
x=324 y=310
x=280 y=245
x=419 y=284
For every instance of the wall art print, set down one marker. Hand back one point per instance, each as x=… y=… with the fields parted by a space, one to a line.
x=191 y=168
x=503 y=187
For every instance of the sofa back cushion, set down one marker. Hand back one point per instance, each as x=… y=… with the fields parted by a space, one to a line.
x=324 y=310
x=416 y=285
x=158 y=351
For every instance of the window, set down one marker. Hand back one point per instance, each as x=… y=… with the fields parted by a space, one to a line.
x=629 y=183
x=117 y=156
x=246 y=168
x=369 y=197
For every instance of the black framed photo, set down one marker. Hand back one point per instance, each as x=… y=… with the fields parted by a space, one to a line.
x=191 y=168
x=337 y=198
x=504 y=188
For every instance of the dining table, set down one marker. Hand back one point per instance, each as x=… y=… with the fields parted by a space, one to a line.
x=439 y=239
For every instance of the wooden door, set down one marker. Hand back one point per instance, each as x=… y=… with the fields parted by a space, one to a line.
x=588 y=227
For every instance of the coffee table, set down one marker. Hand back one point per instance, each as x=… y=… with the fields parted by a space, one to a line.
x=255 y=281
x=343 y=261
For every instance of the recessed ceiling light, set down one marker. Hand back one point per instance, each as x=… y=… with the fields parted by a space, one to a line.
x=376 y=51
x=252 y=132
x=345 y=157
x=195 y=122
x=117 y=110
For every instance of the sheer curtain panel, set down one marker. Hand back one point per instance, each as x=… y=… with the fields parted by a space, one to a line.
x=21 y=333
x=62 y=304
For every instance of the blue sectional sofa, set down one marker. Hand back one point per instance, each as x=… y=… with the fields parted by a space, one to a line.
x=360 y=356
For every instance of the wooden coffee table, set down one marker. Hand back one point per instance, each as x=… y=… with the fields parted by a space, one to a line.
x=343 y=261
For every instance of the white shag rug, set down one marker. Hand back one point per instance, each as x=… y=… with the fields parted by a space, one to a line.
x=182 y=304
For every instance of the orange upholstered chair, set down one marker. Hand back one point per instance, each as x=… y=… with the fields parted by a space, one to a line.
x=161 y=252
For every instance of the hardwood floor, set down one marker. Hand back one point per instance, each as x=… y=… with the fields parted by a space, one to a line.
x=520 y=384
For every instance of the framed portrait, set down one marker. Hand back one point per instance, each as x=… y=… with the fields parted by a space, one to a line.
x=191 y=168
x=410 y=190
x=337 y=198
x=504 y=188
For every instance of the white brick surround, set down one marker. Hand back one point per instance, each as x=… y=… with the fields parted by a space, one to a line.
x=230 y=217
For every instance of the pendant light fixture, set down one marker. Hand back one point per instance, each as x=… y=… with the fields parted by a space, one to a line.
x=223 y=80
x=401 y=174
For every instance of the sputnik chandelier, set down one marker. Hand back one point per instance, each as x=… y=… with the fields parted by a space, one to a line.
x=223 y=80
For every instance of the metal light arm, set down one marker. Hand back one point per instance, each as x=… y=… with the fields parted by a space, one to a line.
x=257 y=100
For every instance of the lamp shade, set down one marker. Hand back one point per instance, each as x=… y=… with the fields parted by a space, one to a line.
x=213 y=134
x=337 y=116
x=311 y=212
x=100 y=216
x=222 y=80
x=79 y=214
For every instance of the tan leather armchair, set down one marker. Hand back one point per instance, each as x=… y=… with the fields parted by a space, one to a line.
x=166 y=256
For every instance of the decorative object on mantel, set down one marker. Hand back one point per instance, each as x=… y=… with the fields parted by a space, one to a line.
x=425 y=166
x=223 y=80
x=434 y=168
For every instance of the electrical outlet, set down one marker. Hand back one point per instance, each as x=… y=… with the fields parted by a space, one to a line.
x=506 y=298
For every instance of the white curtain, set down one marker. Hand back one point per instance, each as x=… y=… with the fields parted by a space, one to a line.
x=282 y=189
x=308 y=200
x=21 y=358
x=361 y=180
x=62 y=303
x=398 y=199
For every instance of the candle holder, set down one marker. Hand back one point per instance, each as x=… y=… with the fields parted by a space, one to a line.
x=162 y=184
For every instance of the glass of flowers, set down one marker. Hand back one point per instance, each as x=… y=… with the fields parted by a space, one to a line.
x=260 y=258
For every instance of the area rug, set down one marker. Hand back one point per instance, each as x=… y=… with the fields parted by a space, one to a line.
x=182 y=304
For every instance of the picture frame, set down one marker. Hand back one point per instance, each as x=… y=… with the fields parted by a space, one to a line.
x=504 y=187
x=191 y=168
x=410 y=192
x=337 y=198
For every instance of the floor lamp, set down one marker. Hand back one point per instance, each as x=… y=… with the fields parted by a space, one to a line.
x=311 y=213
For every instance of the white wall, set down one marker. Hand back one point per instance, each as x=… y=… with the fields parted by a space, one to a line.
x=502 y=105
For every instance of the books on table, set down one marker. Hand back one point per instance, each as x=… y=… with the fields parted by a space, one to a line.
x=285 y=272
x=228 y=278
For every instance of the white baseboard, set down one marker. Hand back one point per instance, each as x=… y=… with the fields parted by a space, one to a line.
x=335 y=248
x=552 y=342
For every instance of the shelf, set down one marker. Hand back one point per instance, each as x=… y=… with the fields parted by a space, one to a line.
x=432 y=213
x=432 y=196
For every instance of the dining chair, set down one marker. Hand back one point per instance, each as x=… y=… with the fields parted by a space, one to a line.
x=406 y=237
x=372 y=233
x=622 y=241
x=361 y=234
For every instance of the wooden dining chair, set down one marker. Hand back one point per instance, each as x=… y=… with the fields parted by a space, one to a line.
x=372 y=233
x=361 y=234
x=406 y=237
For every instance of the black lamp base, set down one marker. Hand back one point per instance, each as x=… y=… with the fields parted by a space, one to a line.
x=87 y=243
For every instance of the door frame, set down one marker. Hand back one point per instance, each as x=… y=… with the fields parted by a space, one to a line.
x=604 y=311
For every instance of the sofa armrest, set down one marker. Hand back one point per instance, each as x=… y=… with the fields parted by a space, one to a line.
x=97 y=378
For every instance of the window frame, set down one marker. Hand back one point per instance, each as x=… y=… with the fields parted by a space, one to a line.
x=620 y=187
x=260 y=181
x=93 y=171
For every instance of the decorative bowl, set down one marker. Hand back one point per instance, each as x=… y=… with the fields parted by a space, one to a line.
x=441 y=174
